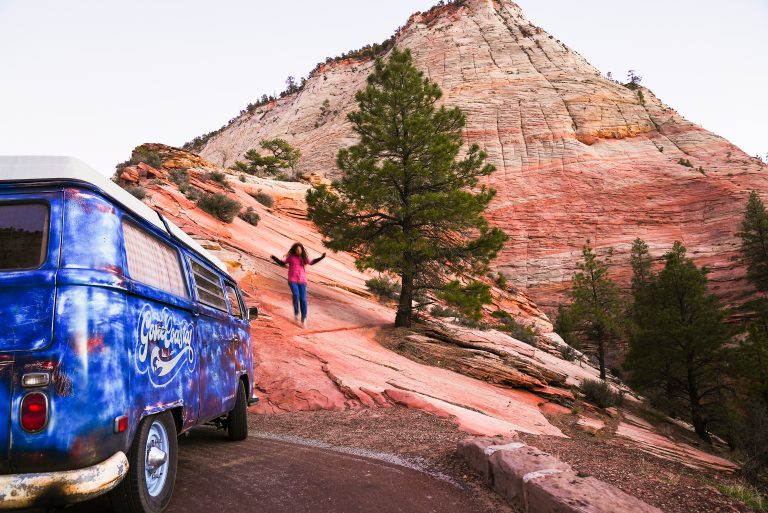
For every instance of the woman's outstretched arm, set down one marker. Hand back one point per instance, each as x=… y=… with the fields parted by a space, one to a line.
x=316 y=260
x=279 y=262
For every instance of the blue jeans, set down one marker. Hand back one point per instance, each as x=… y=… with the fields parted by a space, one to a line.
x=299 y=291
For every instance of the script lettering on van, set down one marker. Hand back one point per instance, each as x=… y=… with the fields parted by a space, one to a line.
x=164 y=345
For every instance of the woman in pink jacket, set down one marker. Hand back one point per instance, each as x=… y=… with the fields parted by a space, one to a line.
x=297 y=260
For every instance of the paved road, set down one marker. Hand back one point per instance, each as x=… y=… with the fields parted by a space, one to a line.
x=271 y=476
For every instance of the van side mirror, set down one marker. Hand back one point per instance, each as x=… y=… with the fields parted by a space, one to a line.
x=253 y=313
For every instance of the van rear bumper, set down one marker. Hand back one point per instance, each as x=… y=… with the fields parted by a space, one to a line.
x=65 y=487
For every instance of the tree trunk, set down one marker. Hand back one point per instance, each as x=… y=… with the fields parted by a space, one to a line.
x=601 y=352
x=697 y=418
x=405 y=306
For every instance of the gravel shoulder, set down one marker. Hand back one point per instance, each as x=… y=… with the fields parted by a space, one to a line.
x=668 y=485
x=420 y=439
x=430 y=442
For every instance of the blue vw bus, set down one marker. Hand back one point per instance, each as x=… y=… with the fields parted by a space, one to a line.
x=118 y=332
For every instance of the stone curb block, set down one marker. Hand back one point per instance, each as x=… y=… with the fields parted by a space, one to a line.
x=536 y=482
x=513 y=467
x=473 y=452
x=566 y=492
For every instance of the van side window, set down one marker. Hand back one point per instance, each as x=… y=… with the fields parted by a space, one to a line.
x=234 y=302
x=23 y=235
x=153 y=262
x=208 y=287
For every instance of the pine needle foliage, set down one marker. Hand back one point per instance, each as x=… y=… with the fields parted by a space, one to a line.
x=754 y=241
x=677 y=349
x=595 y=311
x=406 y=204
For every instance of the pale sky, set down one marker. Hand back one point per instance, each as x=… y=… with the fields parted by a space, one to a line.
x=95 y=78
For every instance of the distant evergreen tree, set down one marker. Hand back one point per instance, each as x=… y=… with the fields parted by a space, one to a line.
x=642 y=266
x=405 y=204
x=282 y=156
x=750 y=358
x=284 y=153
x=754 y=241
x=676 y=351
x=565 y=326
x=751 y=362
x=596 y=310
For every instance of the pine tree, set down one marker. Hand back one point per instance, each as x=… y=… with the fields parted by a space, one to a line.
x=751 y=362
x=565 y=326
x=641 y=262
x=405 y=204
x=283 y=156
x=596 y=309
x=676 y=351
x=754 y=241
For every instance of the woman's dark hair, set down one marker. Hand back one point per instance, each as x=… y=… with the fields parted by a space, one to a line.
x=295 y=251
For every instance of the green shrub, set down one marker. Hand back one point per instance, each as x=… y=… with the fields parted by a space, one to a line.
x=179 y=176
x=141 y=154
x=567 y=352
x=383 y=288
x=151 y=158
x=685 y=162
x=441 y=311
x=516 y=330
x=219 y=205
x=219 y=178
x=137 y=191
x=250 y=216
x=599 y=393
x=285 y=177
x=501 y=281
x=469 y=322
x=467 y=299
x=242 y=178
x=192 y=193
x=263 y=198
x=745 y=494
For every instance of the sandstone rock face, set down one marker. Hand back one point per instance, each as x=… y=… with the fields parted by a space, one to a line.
x=486 y=381
x=338 y=363
x=578 y=156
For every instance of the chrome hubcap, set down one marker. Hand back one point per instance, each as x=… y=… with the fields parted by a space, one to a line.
x=156 y=459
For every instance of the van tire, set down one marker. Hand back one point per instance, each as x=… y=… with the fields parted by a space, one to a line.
x=237 y=420
x=132 y=495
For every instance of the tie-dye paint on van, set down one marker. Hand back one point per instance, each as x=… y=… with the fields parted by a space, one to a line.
x=117 y=332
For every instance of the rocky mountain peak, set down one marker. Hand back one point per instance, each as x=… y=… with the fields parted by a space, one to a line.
x=578 y=156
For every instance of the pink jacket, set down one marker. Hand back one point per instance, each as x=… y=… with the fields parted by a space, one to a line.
x=297 y=272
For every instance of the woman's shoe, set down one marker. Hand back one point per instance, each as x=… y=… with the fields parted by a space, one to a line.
x=304 y=323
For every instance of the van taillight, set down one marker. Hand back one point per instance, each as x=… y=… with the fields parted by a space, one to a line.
x=34 y=411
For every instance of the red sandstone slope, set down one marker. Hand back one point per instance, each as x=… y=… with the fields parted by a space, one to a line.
x=347 y=358
x=577 y=156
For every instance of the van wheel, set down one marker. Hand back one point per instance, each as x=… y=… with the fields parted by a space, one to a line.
x=237 y=420
x=153 y=456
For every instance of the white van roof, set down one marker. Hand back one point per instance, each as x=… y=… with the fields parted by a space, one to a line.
x=25 y=168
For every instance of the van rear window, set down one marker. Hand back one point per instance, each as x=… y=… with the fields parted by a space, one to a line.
x=153 y=262
x=23 y=235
